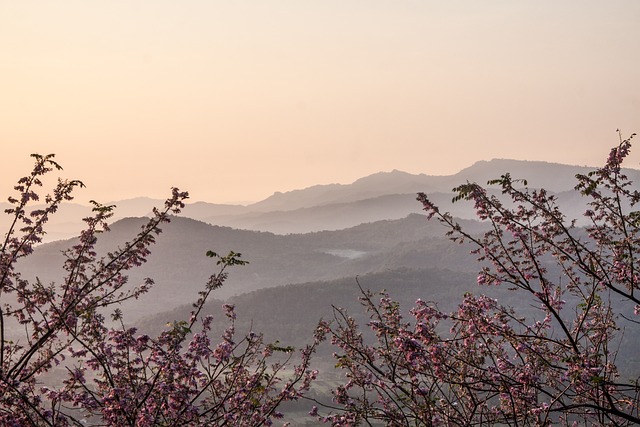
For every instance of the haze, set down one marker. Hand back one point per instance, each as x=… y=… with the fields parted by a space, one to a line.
x=235 y=100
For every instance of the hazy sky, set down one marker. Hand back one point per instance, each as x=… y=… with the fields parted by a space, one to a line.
x=233 y=100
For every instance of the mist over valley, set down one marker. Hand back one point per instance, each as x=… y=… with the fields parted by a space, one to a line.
x=322 y=233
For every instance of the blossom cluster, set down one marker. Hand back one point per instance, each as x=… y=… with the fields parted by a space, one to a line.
x=488 y=364
x=115 y=375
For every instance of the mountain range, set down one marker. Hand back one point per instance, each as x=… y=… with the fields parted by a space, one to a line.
x=180 y=268
x=384 y=195
x=308 y=249
x=325 y=232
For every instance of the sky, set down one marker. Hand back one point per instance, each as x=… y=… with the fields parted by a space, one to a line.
x=234 y=100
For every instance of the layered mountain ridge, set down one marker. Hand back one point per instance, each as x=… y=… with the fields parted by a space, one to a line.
x=383 y=195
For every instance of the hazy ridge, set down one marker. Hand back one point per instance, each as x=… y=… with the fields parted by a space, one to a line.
x=373 y=225
x=383 y=195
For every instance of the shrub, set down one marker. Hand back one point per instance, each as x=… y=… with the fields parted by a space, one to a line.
x=116 y=376
x=486 y=364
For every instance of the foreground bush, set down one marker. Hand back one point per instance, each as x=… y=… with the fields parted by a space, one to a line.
x=485 y=364
x=116 y=377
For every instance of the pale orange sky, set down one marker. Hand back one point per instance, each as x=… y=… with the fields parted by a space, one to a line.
x=233 y=100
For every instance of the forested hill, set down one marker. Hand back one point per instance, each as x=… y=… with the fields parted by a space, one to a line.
x=180 y=268
x=290 y=313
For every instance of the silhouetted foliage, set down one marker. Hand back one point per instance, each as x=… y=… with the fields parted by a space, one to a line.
x=488 y=364
x=115 y=376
